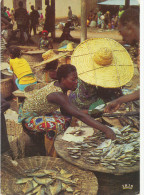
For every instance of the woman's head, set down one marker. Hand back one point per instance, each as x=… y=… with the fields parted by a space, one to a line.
x=129 y=25
x=15 y=52
x=67 y=76
x=52 y=69
x=45 y=34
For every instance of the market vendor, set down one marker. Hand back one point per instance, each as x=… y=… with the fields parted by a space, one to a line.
x=102 y=65
x=49 y=71
x=45 y=42
x=37 y=112
x=23 y=74
x=130 y=31
x=86 y=94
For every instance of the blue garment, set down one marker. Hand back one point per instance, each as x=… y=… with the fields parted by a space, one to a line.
x=22 y=87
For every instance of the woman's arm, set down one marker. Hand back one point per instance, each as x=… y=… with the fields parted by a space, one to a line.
x=63 y=101
x=115 y=104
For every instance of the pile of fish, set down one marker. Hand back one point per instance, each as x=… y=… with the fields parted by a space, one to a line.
x=51 y=182
x=129 y=120
x=122 y=152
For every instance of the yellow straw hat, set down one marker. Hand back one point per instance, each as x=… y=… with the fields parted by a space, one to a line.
x=50 y=56
x=103 y=62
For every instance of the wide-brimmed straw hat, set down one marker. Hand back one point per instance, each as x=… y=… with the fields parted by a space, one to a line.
x=103 y=62
x=50 y=56
x=4 y=65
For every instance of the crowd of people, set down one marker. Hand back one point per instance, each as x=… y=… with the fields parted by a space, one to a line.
x=22 y=22
x=37 y=113
x=104 y=20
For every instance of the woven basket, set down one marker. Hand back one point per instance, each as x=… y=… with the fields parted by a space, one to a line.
x=31 y=89
x=6 y=87
x=33 y=59
x=87 y=182
x=17 y=144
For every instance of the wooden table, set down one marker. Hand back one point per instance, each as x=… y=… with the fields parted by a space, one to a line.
x=61 y=148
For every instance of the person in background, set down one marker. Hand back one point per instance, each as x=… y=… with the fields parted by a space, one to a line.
x=99 y=13
x=120 y=12
x=45 y=42
x=66 y=32
x=22 y=20
x=4 y=14
x=12 y=15
x=5 y=11
x=113 y=22
x=34 y=19
x=102 y=19
x=107 y=19
x=69 y=13
x=130 y=30
x=41 y=16
x=8 y=12
x=23 y=74
x=49 y=17
x=5 y=26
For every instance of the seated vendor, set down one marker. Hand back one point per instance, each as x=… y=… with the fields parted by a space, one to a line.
x=48 y=73
x=102 y=70
x=23 y=74
x=37 y=112
x=45 y=42
x=66 y=33
x=86 y=94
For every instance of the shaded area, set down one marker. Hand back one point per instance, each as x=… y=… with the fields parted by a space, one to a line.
x=110 y=184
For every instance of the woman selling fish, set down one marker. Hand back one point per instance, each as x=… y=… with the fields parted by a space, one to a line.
x=103 y=66
x=37 y=112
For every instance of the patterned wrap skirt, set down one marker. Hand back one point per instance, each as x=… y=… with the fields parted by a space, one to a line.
x=49 y=126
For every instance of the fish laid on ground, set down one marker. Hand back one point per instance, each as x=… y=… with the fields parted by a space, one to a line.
x=37 y=174
x=41 y=191
x=28 y=187
x=43 y=181
x=56 y=188
x=23 y=180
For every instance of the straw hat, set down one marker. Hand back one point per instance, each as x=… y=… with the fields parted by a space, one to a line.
x=103 y=62
x=50 y=56
x=4 y=65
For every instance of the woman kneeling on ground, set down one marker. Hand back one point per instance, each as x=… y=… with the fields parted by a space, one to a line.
x=22 y=72
x=37 y=112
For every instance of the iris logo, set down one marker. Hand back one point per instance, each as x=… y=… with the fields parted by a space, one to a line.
x=127 y=187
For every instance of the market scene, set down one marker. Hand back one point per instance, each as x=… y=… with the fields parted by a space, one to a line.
x=70 y=97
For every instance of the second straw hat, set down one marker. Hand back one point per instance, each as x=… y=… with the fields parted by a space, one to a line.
x=103 y=62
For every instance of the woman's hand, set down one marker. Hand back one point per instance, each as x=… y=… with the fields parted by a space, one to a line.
x=113 y=106
x=110 y=134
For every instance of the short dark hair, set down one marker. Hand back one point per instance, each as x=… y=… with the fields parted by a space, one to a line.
x=51 y=65
x=64 y=70
x=5 y=8
x=20 y=4
x=15 y=51
x=130 y=15
x=32 y=7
